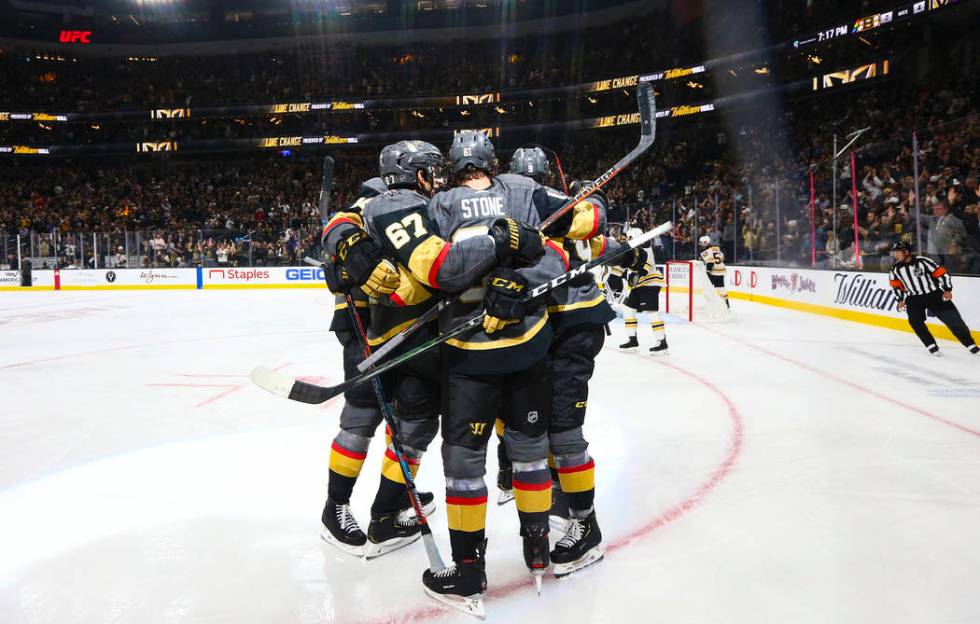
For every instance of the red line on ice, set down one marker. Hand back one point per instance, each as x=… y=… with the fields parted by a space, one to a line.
x=849 y=384
x=668 y=516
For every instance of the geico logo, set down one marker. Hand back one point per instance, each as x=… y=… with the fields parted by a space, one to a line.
x=304 y=275
x=235 y=274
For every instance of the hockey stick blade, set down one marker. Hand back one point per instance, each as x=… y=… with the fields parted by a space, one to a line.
x=305 y=392
x=647 y=107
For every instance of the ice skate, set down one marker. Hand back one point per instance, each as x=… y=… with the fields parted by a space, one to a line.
x=660 y=349
x=536 y=552
x=975 y=350
x=428 y=502
x=340 y=529
x=389 y=532
x=505 y=486
x=934 y=350
x=461 y=585
x=632 y=343
x=579 y=547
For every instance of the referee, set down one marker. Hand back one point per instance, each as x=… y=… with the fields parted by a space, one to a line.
x=920 y=285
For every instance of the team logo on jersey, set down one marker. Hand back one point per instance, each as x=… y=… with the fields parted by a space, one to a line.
x=477 y=428
x=581 y=404
x=918 y=271
x=532 y=416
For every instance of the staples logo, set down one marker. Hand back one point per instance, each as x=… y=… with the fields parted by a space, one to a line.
x=237 y=275
x=75 y=36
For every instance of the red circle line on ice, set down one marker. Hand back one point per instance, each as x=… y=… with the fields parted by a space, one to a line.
x=673 y=513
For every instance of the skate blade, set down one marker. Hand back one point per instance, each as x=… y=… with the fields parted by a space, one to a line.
x=327 y=536
x=470 y=605
x=660 y=353
x=558 y=523
x=373 y=551
x=504 y=496
x=406 y=515
x=591 y=557
x=538 y=579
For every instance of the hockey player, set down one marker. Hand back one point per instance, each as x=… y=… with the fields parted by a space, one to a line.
x=499 y=370
x=644 y=296
x=389 y=249
x=356 y=261
x=714 y=264
x=579 y=313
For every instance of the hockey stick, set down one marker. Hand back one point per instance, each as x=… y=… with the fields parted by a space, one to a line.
x=431 y=550
x=398 y=339
x=304 y=392
x=646 y=103
x=326 y=185
x=648 y=133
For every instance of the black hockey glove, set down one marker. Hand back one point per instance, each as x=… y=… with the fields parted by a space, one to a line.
x=504 y=299
x=516 y=241
x=634 y=260
x=362 y=259
x=338 y=281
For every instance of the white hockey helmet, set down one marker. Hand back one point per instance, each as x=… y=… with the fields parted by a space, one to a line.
x=704 y=241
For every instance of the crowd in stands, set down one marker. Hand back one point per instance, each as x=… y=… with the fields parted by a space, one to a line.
x=740 y=175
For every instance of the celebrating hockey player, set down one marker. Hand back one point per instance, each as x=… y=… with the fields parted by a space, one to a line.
x=498 y=370
x=921 y=286
x=714 y=264
x=579 y=313
x=644 y=296
x=354 y=263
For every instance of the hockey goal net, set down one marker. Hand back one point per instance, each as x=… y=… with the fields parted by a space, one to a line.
x=690 y=293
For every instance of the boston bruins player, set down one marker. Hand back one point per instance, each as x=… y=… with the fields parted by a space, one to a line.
x=499 y=369
x=714 y=264
x=644 y=284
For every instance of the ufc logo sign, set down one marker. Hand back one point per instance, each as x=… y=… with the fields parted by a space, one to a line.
x=75 y=36
x=478 y=428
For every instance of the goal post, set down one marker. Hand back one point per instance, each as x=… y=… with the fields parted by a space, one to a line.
x=680 y=282
x=691 y=293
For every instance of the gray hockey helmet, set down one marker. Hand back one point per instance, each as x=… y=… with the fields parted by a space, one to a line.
x=530 y=162
x=472 y=148
x=400 y=161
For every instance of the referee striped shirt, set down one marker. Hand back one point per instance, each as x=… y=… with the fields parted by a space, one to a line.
x=919 y=276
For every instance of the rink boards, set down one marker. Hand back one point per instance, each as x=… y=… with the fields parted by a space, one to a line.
x=863 y=297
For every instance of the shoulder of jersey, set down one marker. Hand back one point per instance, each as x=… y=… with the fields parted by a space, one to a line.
x=514 y=180
x=374 y=186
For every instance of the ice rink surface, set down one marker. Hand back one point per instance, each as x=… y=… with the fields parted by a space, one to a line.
x=781 y=467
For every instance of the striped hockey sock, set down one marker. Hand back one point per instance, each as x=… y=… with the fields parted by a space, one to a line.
x=347 y=455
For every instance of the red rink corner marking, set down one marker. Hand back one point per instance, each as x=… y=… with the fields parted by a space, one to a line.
x=669 y=515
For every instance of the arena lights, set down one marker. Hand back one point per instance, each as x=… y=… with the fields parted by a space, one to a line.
x=491 y=98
